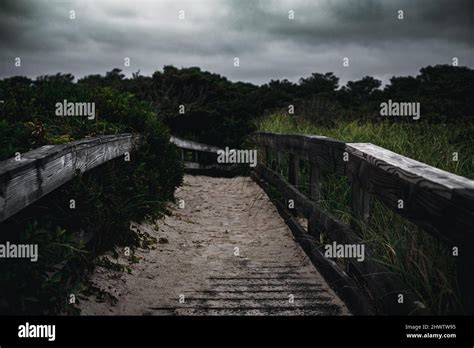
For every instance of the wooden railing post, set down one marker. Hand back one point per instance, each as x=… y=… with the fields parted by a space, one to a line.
x=196 y=156
x=293 y=170
x=315 y=195
x=360 y=206
x=267 y=156
x=293 y=175
x=314 y=182
x=360 y=202
x=202 y=158
x=279 y=162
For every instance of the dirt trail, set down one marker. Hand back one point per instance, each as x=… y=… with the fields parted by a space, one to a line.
x=197 y=270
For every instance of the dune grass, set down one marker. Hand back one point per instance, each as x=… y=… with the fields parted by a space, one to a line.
x=424 y=263
x=433 y=144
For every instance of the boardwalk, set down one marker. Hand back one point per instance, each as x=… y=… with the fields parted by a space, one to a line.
x=227 y=252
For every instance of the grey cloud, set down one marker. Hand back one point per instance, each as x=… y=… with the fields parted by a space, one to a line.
x=215 y=31
x=367 y=22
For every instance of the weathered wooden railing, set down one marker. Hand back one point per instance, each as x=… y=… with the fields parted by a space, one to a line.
x=441 y=203
x=203 y=158
x=29 y=176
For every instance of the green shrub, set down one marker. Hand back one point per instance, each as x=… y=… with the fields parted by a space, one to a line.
x=107 y=197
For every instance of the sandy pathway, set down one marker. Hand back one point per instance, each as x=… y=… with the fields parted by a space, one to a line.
x=227 y=252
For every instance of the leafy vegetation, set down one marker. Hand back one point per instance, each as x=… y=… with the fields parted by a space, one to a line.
x=107 y=198
x=221 y=112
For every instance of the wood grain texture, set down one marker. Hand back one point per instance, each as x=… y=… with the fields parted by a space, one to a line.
x=410 y=170
x=439 y=202
x=43 y=170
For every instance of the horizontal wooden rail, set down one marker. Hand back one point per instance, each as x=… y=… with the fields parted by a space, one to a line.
x=193 y=145
x=40 y=171
x=441 y=203
x=345 y=286
x=204 y=158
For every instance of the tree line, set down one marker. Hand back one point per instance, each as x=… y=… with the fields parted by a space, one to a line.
x=221 y=112
x=208 y=107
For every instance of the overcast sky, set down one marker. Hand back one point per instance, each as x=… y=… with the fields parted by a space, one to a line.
x=213 y=32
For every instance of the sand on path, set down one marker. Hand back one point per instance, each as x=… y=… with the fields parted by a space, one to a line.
x=226 y=252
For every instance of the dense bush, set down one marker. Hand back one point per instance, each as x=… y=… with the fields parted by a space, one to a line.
x=107 y=198
x=216 y=110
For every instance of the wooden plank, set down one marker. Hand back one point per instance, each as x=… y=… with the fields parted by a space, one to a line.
x=439 y=202
x=360 y=205
x=314 y=195
x=337 y=279
x=43 y=170
x=217 y=166
x=316 y=149
x=314 y=182
x=279 y=156
x=293 y=174
x=313 y=227
x=421 y=174
x=360 y=200
x=383 y=286
x=193 y=145
x=293 y=170
x=302 y=203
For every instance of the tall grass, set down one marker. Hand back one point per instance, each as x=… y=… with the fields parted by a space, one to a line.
x=422 y=261
x=433 y=144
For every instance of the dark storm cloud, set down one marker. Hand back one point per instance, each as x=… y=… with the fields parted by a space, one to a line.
x=269 y=45
x=365 y=22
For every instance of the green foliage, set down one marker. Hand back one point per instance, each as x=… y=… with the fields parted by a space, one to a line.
x=317 y=84
x=217 y=111
x=107 y=198
x=221 y=112
x=39 y=287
